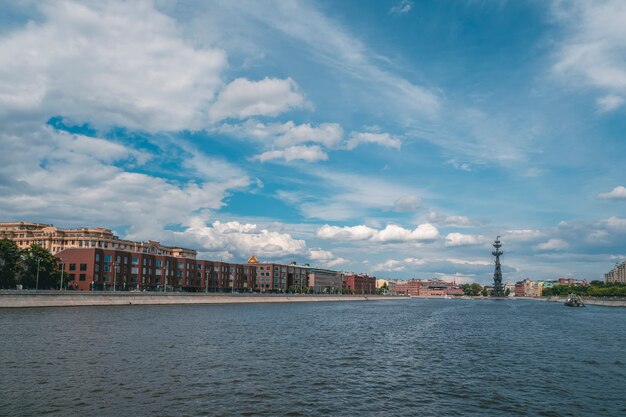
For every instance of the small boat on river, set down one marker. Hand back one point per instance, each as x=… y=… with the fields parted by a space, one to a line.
x=574 y=300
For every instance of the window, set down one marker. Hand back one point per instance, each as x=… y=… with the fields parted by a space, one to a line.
x=97 y=257
x=107 y=268
x=135 y=261
x=83 y=277
x=145 y=261
x=72 y=277
x=83 y=267
x=72 y=267
x=158 y=263
x=119 y=259
x=180 y=264
x=107 y=258
x=199 y=266
x=134 y=270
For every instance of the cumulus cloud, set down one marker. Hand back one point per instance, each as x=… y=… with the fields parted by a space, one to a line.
x=398 y=265
x=285 y=134
x=553 y=245
x=390 y=234
x=383 y=139
x=78 y=180
x=294 y=153
x=460 y=239
x=617 y=193
x=242 y=239
x=359 y=232
x=394 y=233
x=103 y=63
x=244 y=98
x=320 y=255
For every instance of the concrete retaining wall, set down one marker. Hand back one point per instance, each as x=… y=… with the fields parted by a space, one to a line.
x=68 y=299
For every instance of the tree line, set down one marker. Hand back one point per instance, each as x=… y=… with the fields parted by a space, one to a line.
x=34 y=267
x=594 y=289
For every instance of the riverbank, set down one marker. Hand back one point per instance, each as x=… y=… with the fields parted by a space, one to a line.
x=22 y=299
x=606 y=302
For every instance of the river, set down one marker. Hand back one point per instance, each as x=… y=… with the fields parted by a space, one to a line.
x=375 y=358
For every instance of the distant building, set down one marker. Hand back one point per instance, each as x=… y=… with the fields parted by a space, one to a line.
x=427 y=288
x=54 y=239
x=617 y=274
x=360 y=284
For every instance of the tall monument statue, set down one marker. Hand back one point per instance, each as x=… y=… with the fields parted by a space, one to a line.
x=498 y=289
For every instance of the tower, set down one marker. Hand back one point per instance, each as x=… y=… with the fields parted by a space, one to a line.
x=498 y=290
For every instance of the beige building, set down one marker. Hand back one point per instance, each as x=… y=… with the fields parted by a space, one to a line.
x=54 y=239
x=617 y=274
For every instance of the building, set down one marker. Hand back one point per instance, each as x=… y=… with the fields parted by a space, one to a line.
x=511 y=289
x=359 y=284
x=275 y=277
x=427 y=288
x=110 y=269
x=55 y=240
x=326 y=281
x=617 y=274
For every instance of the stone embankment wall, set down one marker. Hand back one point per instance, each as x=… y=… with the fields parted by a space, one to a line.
x=69 y=299
x=607 y=302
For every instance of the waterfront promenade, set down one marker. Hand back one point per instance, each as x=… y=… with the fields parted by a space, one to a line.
x=16 y=299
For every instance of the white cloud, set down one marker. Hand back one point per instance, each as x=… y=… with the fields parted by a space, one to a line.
x=398 y=265
x=329 y=135
x=609 y=103
x=294 y=153
x=335 y=262
x=553 y=244
x=390 y=234
x=383 y=139
x=76 y=180
x=359 y=232
x=616 y=223
x=109 y=63
x=241 y=239
x=460 y=239
x=408 y=203
x=617 y=193
x=593 y=52
x=467 y=262
x=402 y=7
x=320 y=255
x=243 y=98
x=394 y=233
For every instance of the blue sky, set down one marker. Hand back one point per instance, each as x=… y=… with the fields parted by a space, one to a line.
x=396 y=138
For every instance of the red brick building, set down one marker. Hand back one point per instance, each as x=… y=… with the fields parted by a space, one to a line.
x=360 y=284
x=106 y=269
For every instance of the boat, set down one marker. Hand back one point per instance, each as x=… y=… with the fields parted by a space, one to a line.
x=574 y=300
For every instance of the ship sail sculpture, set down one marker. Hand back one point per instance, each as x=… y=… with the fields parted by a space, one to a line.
x=498 y=289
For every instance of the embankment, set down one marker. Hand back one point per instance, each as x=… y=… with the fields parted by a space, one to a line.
x=17 y=299
x=606 y=302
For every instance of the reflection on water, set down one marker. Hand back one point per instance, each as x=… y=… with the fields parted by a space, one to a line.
x=396 y=358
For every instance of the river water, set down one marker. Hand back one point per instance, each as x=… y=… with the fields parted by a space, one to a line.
x=374 y=358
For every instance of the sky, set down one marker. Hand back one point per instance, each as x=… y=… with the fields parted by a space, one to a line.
x=394 y=138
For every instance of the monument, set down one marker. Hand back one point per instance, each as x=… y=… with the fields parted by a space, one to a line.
x=498 y=289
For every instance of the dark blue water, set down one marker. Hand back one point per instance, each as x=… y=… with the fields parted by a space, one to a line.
x=387 y=358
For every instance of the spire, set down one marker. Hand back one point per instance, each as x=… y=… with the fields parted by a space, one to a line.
x=498 y=289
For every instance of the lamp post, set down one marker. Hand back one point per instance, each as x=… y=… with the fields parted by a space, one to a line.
x=62 y=270
x=114 y=275
x=37 y=283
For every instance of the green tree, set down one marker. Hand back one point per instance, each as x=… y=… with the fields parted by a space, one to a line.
x=507 y=292
x=10 y=265
x=36 y=257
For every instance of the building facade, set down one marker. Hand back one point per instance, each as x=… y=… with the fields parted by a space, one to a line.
x=360 y=284
x=427 y=288
x=617 y=274
x=55 y=240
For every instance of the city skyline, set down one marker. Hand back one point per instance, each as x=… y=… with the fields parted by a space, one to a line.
x=392 y=138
